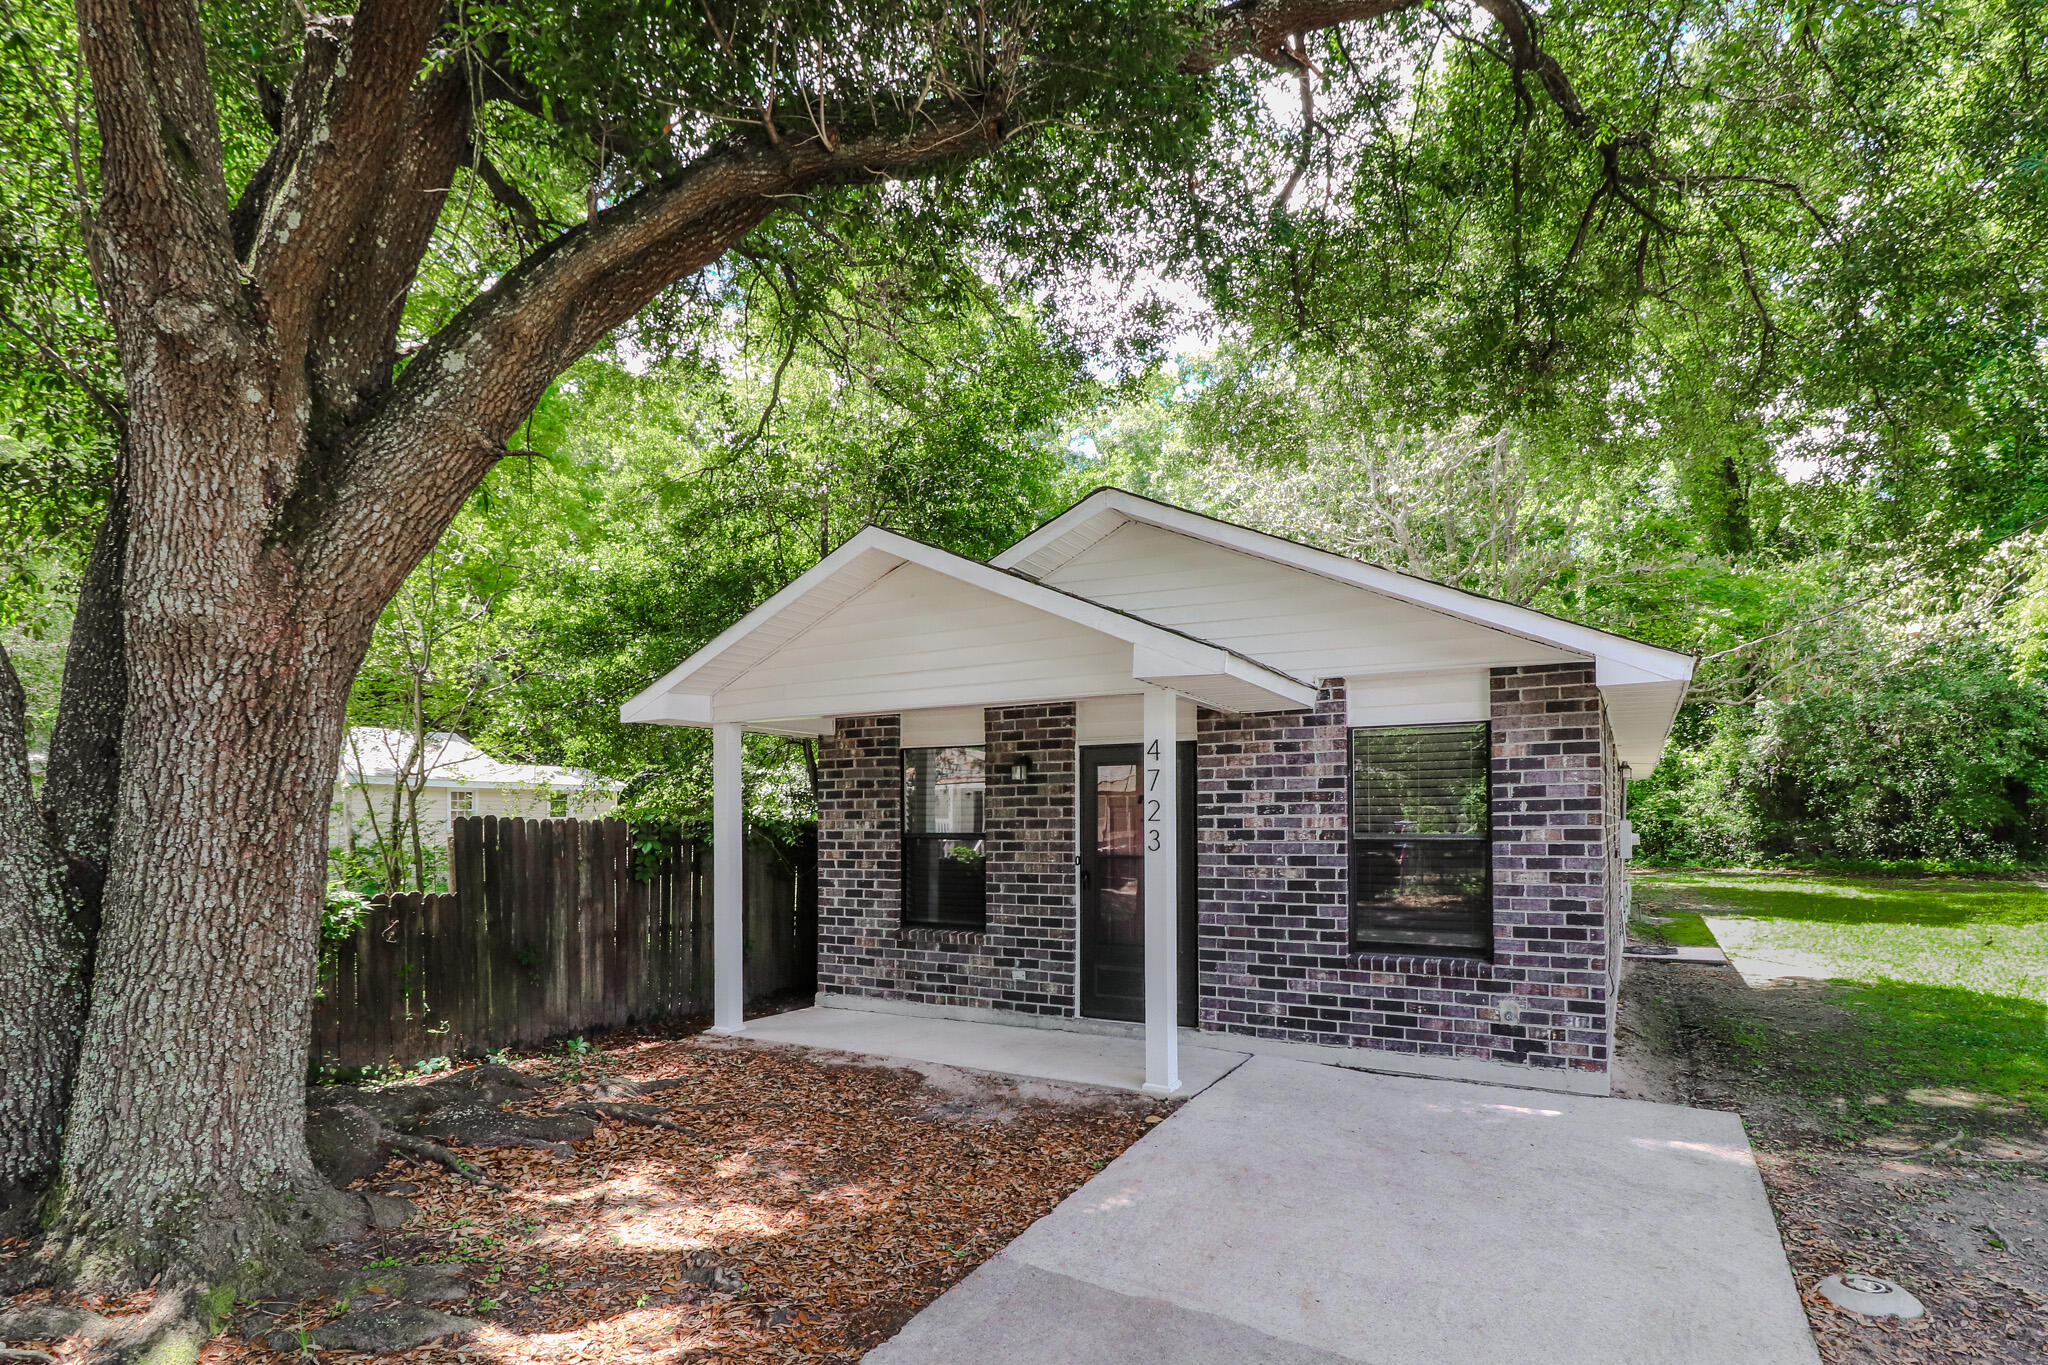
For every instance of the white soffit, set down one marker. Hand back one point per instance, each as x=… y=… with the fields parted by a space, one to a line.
x=1641 y=715
x=1418 y=698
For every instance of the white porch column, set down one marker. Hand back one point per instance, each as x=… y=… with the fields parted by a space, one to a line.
x=1161 y=791
x=728 y=882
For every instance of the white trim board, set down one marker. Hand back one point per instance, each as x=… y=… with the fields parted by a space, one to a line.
x=1418 y=698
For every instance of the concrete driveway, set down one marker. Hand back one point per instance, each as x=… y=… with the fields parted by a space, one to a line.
x=1295 y=1213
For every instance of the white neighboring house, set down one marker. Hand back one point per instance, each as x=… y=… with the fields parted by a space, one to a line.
x=460 y=779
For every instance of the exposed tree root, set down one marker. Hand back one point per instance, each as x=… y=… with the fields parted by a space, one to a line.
x=9 y=1353
x=170 y=1333
x=647 y=1115
x=425 y=1152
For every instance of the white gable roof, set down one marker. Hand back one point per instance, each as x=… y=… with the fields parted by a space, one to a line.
x=1118 y=592
x=1321 y=614
x=888 y=623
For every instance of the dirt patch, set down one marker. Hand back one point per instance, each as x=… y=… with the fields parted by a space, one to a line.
x=1931 y=1198
x=791 y=1207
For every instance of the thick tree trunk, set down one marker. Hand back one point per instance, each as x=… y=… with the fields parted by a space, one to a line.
x=81 y=785
x=186 y=1147
x=42 y=994
x=57 y=847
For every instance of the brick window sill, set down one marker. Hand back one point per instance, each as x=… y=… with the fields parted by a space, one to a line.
x=940 y=938
x=1417 y=965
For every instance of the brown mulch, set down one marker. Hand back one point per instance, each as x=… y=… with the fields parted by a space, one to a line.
x=807 y=1210
x=1966 y=1234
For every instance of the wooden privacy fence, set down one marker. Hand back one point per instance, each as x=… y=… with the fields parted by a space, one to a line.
x=550 y=931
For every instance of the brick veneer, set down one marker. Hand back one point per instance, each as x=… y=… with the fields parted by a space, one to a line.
x=1272 y=825
x=1271 y=836
x=1272 y=831
x=863 y=948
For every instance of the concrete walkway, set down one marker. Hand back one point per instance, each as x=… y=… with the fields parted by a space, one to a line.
x=1297 y=1214
x=1114 y=1060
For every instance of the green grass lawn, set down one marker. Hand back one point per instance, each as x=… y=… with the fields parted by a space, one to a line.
x=1947 y=978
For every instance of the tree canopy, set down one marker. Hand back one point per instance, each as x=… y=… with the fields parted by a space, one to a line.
x=1724 y=323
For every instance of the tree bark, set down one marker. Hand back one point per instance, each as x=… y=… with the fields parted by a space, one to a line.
x=186 y=1150
x=57 y=846
x=42 y=990
x=82 y=782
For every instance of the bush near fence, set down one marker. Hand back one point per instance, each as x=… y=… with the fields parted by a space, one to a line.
x=553 y=927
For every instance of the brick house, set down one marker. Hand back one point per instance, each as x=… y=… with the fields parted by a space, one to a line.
x=1153 y=772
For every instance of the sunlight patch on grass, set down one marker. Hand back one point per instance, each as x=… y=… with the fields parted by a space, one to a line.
x=1948 y=976
x=1989 y=937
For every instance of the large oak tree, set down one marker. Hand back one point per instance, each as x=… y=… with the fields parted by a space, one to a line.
x=293 y=438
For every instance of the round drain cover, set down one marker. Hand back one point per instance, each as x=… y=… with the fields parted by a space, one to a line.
x=1870 y=1296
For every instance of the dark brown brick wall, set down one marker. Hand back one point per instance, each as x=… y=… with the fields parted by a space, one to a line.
x=1274 y=835
x=1024 y=959
x=1271 y=842
x=1272 y=831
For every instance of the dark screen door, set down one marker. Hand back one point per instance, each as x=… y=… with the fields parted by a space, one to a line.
x=1112 y=872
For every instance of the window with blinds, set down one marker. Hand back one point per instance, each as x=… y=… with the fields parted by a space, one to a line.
x=945 y=881
x=1421 y=839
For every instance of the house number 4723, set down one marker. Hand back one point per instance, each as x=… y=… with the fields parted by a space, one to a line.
x=1152 y=812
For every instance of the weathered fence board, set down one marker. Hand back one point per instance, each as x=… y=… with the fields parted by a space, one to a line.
x=550 y=931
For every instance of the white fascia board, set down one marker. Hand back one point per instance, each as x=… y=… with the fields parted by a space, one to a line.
x=1649 y=661
x=864 y=540
x=793 y=727
x=1294 y=690
x=1609 y=671
x=1173 y=659
x=1192 y=669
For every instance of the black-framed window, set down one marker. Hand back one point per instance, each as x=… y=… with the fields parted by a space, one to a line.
x=945 y=876
x=1421 y=839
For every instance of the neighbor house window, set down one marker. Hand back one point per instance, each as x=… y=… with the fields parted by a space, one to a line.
x=558 y=805
x=1421 y=840
x=945 y=884
x=461 y=803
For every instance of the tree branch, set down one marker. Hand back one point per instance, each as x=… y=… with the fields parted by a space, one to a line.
x=342 y=117
x=162 y=241
x=1261 y=28
x=354 y=346
x=509 y=196
x=420 y=450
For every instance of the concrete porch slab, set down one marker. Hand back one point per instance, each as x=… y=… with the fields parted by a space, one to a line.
x=1076 y=1058
x=1296 y=1214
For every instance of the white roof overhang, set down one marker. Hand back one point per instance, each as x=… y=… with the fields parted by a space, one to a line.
x=722 y=681
x=1643 y=684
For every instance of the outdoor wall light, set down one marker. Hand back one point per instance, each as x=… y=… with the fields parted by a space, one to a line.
x=1020 y=769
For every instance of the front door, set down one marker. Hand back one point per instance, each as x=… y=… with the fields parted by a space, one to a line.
x=1112 y=872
